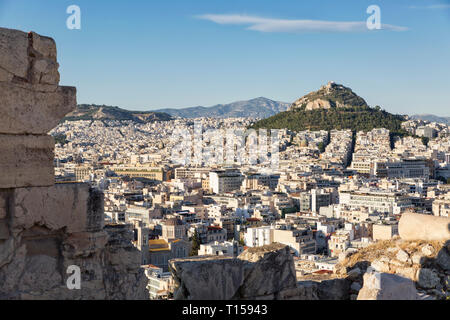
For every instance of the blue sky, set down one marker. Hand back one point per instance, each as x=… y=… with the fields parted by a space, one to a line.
x=145 y=55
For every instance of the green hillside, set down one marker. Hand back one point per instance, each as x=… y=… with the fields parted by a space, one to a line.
x=357 y=117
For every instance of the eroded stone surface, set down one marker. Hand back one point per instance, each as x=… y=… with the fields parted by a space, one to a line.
x=257 y=272
x=384 y=286
x=14 y=55
x=45 y=228
x=25 y=111
x=26 y=161
x=68 y=206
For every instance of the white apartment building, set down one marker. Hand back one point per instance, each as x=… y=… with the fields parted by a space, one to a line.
x=225 y=248
x=375 y=200
x=160 y=283
x=225 y=181
x=257 y=237
x=408 y=168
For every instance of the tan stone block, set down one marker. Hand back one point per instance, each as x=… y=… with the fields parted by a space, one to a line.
x=24 y=111
x=414 y=226
x=26 y=161
x=13 y=49
x=69 y=206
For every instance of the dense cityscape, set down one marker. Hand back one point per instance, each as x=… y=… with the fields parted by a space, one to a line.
x=330 y=195
x=142 y=160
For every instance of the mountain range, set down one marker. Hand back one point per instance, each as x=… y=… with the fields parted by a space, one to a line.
x=102 y=112
x=332 y=97
x=431 y=118
x=255 y=108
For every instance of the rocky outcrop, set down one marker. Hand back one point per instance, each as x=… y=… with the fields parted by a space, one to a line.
x=258 y=273
x=424 y=263
x=331 y=95
x=47 y=229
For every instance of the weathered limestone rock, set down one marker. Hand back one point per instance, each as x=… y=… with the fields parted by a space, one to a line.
x=27 y=58
x=26 y=161
x=6 y=251
x=402 y=256
x=74 y=207
x=355 y=287
x=4 y=230
x=45 y=228
x=257 y=273
x=414 y=226
x=417 y=258
x=410 y=273
x=25 y=111
x=427 y=278
x=335 y=289
x=428 y=250
x=443 y=259
x=305 y=290
x=384 y=286
x=380 y=266
x=201 y=278
x=14 y=55
x=354 y=274
x=272 y=270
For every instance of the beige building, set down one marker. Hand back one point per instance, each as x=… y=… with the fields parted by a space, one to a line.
x=300 y=241
x=161 y=251
x=82 y=173
x=384 y=231
x=173 y=228
x=152 y=173
x=441 y=206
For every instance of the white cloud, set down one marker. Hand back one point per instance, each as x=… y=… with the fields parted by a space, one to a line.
x=293 y=26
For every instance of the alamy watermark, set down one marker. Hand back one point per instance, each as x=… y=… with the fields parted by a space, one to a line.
x=74 y=20
x=74 y=280
x=374 y=21
x=227 y=147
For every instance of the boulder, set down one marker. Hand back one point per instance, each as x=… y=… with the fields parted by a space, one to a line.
x=427 y=278
x=385 y=286
x=402 y=256
x=443 y=259
x=428 y=250
x=355 y=287
x=380 y=266
x=334 y=289
x=354 y=274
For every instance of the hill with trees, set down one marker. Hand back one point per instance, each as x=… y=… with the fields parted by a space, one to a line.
x=103 y=112
x=333 y=107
